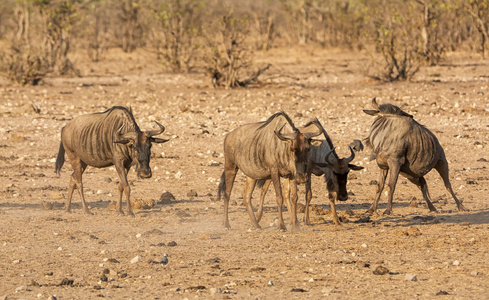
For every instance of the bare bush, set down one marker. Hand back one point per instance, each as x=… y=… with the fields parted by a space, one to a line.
x=479 y=10
x=131 y=23
x=176 y=37
x=230 y=59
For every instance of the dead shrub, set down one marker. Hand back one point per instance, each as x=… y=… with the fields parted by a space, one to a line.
x=229 y=62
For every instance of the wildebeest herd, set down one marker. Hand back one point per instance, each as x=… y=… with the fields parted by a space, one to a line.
x=265 y=152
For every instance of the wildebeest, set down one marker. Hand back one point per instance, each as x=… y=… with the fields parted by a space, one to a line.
x=402 y=145
x=322 y=160
x=262 y=151
x=104 y=139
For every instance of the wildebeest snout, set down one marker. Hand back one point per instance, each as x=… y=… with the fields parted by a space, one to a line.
x=145 y=173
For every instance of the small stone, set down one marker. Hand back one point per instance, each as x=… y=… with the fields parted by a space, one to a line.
x=172 y=244
x=166 y=198
x=136 y=259
x=380 y=270
x=373 y=182
x=270 y=283
x=364 y=245
x=474 y=273
x=51 y=297
x=21 y=288
x=456 y=263
x=441 y=293
x=108 y=179
x=192 y=194
x=410 y=277
x=138 y=235
x=413 y=203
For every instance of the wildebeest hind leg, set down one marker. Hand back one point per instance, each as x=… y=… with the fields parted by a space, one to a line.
x=394 y=168
x=229 y=176
x=78 y=169
x=442 y=168
x=423 y=186
x=70 y=193
x=307 y=220
x=248 y=191
x=380 y=188
x=263 y=192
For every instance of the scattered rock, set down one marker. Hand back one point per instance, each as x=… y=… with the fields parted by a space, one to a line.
x=154 y=231
x=195 y=288
x=166 y=198
x=143 y=203
x=456 y=263
x=51 y=297
x=413 y=203
x=442 y=293
x=270 y=283
x=298 y=290
x=172 y=244
x=192 y=194
x=113 y=260
x=66 y=281
x=136 y=259
x=373 y=182
x=344 y=219
x=349 y=212
x=21 y=288
x=258 y=269
x=410 y=277
x=108 y=179
x=474 y=273
x=381 y=270
x=46 y=205
x=363 y=220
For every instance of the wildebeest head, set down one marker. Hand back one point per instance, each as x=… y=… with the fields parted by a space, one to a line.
x=140 y=144
x=299 y=148
x=340 y=168
x=385 y=109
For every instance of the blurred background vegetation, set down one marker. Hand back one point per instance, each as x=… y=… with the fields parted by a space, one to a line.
x=38 y=37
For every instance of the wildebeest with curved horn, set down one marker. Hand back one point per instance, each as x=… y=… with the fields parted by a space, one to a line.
x=322 y=160
x=402 y=145
x=104 y=139
x=262 y=151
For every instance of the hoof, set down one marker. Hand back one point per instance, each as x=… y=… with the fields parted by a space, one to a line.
x=387 y=212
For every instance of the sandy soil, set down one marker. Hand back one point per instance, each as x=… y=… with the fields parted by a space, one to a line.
x=45 y=251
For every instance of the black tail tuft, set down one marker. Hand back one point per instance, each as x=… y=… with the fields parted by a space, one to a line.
x=222 y=186
x=60 y=160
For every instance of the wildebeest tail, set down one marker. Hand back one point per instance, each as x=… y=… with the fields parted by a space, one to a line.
x=60 y=160
x=260 y=183
x=222 y=187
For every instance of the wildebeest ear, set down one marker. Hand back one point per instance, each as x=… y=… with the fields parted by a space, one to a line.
x=158 y=140
x=126 y=138
x=371 y=112
x=354 y=167
x=123 y=141
x=316 y=143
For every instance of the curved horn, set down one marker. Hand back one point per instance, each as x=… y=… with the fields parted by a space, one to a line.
x=278 y=133
x=157 y=131
x=352 y=156
x=374 y=103
x=309 y=135
x=326 y=157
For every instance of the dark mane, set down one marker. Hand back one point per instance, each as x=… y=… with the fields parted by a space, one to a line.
x=127 y=111
x=280 y=113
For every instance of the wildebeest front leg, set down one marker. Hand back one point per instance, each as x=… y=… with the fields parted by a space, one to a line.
x=394 y=168
x=123 y=188
x=263 y=192
x=332 y=198
x=248 y=190
x=380 y=188
x=442 y=168
x=279 y=197
x=307 y=221
x=423 y=186
x=292 y=200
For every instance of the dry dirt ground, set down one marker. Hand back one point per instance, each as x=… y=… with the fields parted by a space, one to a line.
x=45 y=251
